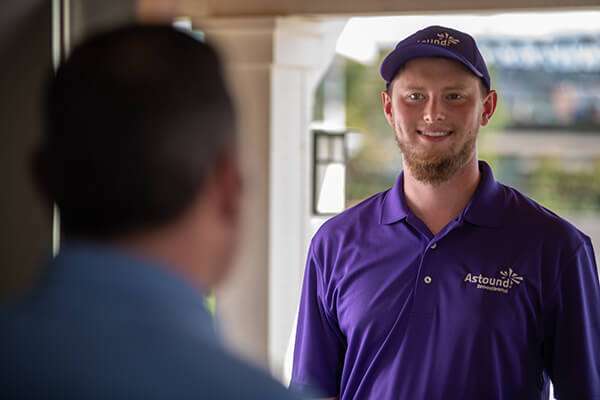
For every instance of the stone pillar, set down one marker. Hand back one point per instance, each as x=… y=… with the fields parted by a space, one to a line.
x=304 y=49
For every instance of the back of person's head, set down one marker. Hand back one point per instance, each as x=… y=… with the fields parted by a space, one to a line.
x=137 y=118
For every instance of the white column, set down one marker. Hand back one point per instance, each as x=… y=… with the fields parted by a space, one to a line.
x=273 y=66
x=304 y=50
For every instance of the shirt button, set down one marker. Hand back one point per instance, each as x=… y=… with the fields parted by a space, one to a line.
x=433 y=246
x=427 y=279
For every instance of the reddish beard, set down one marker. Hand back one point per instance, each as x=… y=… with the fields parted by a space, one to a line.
x=439 y=168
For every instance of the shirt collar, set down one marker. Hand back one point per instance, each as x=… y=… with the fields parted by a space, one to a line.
x=394 y=207
x=487 y=206
x=484 y=209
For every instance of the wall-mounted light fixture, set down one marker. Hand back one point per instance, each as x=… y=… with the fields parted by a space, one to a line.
x=329 y=172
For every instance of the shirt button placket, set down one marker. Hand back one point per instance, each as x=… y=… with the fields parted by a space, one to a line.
x=427 y=279
x=426 y=295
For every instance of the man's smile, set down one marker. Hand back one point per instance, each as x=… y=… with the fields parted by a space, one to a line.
x=434 y=135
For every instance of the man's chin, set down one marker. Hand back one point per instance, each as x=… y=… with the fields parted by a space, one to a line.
x=435 y=168
x=432 y=172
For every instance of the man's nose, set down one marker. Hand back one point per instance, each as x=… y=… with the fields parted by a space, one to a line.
x=434 y=110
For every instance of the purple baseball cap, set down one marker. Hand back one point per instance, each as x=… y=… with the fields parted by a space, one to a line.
x=436 y=41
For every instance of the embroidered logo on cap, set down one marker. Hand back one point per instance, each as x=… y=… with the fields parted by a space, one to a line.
x=443 y=39
x=508 y=279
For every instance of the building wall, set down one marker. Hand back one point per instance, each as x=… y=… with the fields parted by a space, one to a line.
x=25 y=49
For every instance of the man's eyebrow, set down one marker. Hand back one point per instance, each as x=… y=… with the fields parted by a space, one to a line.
x=423 y=88
x=456 y=87
x=417 y=88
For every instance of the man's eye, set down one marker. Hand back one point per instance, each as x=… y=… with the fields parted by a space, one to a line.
x=454 y=96
x=416 y=96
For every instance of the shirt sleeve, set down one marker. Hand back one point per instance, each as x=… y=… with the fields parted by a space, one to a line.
x=319 y=349
x=572 y=329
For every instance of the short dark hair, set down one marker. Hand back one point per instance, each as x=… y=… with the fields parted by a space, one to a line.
x=136 y=118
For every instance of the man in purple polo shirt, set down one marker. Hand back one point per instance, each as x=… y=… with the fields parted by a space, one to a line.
x=449 y=285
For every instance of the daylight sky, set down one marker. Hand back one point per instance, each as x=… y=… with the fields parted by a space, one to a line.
x=362 y=36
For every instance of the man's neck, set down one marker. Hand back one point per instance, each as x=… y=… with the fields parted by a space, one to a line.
x=437 y=205
x=169 y=246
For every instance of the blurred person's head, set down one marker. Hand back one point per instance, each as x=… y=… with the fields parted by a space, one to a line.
x=139 y=148
x=438 y=95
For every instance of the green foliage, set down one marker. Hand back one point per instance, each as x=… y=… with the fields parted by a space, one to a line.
x=363 y=102
x=561 y=189
x=211 y=303
x=501 y=118
x=552 y=182
x=318 y=104
x=377 y=164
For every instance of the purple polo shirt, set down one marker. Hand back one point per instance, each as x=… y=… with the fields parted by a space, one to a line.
x=503 y=299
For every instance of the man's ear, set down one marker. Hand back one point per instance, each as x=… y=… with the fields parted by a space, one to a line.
x=489 y=107
x=386 y=104
x=228 y=184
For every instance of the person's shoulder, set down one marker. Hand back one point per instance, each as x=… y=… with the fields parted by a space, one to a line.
x=144 y=362
x=528 y=215
x=228 y=377
x=361 y=217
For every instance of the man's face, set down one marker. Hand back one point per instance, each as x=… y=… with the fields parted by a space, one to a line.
x=435 y=107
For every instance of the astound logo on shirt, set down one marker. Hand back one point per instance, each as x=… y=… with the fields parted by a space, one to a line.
x=508 y=278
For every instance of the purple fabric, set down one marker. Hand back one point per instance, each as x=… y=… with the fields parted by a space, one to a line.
x=502 y=299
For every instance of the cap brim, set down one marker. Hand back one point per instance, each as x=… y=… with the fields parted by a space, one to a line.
x=397 y=58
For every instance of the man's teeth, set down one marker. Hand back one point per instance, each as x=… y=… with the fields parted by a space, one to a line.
x=435 y=134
